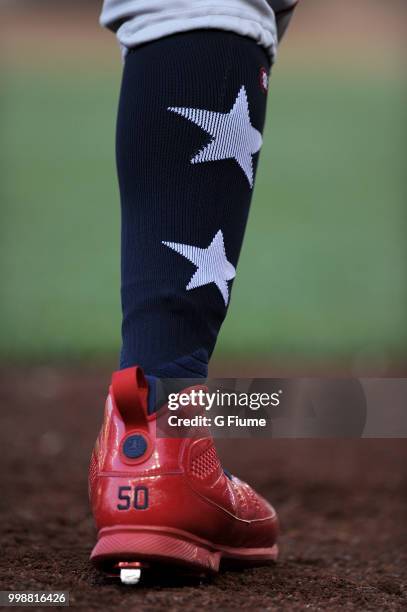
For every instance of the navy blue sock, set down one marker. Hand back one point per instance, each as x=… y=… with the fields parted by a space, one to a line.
x=191 y=114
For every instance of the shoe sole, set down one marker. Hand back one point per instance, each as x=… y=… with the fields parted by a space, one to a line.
x=160 y=545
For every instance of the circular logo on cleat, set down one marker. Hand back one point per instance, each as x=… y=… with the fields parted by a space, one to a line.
x=135 y=446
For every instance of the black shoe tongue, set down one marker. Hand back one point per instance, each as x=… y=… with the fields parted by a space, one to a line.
x=160 y=390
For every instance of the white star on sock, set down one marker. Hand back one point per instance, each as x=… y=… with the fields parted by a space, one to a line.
x=233 y=135
x=212 y=265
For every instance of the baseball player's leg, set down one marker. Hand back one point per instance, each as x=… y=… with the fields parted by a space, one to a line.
x=189 y=133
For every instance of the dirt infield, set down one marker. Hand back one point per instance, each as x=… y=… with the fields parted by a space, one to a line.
x=343 y=507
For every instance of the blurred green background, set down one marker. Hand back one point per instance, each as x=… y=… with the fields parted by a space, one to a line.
x=322 y=275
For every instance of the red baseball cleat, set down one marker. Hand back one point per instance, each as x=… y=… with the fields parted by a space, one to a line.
x=167 y=501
